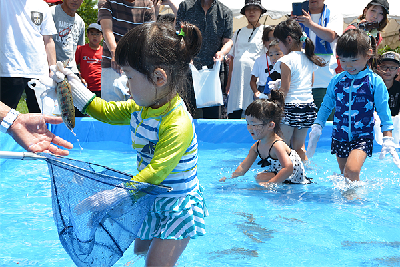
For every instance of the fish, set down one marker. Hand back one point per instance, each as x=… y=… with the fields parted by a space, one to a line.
x=64 y=97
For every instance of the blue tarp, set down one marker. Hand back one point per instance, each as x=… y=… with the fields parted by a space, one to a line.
x=212 y=131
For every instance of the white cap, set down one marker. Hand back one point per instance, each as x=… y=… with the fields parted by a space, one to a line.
x=95 y=26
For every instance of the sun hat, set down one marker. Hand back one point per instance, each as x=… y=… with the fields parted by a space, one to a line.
x=253 y=3
x=390 y=56
x=95 y=26
x=382 y=3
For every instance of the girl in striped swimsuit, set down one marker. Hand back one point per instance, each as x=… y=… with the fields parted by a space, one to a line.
x=156 y=59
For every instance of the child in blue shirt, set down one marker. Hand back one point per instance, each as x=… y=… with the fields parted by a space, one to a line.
x=355 y=94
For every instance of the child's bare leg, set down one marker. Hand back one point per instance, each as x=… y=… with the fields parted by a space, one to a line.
x=287 y=132
x=342 y=163
x=298 y=142
x=165 y=252
x=264 y=177
x=352 y=165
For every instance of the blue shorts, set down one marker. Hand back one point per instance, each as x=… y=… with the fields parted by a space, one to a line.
x=343 y=148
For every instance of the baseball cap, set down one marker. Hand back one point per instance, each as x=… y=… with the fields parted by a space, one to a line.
x=390 y=56
x=382 y=3
x=94 y=26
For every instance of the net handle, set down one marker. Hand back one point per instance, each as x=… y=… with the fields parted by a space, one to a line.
x=20 y=155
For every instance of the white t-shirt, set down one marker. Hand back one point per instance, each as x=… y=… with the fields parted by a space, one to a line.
x=70 y=34
x=260 y=69
x=301 y=69
x=23 y=25
x=323 y=75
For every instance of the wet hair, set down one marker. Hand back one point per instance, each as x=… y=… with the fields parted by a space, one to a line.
x=266 y=32
x=292 y=28
x=267 y=110
x=157 y=45
x=383 y=22
x=354 y=42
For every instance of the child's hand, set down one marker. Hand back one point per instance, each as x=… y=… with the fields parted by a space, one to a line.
x=222 y=179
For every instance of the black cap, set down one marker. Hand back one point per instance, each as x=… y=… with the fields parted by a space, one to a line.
x=253 y=3
x=382 y=3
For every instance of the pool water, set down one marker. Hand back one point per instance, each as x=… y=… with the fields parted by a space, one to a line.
x=328 y=223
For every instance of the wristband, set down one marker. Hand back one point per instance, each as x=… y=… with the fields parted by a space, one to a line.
x=8 y=120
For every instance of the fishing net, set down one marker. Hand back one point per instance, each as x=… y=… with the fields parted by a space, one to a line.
x=97 y=210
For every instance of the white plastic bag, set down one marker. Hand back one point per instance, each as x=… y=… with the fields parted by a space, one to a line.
x=46 y=95
x=121 y=87
x=207 y=86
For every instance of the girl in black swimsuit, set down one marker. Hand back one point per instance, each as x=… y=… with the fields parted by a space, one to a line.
x=263 y=118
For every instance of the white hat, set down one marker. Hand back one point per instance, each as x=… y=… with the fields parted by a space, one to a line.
x=95 y=26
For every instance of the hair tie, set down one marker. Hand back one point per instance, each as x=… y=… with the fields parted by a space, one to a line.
x=303 y=37
x=181 y=33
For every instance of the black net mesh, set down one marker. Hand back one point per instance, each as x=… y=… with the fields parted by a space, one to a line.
x=97 y=210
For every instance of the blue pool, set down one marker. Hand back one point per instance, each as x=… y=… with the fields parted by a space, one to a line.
x=328 y=223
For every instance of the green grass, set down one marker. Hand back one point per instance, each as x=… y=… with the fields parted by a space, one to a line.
x=22 y=107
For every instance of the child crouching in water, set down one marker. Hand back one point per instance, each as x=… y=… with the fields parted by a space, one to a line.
x=155 y=58
x=283 y=164
x=354 y=93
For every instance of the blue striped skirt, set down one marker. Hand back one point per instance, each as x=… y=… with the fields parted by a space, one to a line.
x=175 y=217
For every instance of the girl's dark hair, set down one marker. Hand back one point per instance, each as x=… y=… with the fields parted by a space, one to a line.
x=267 y=110
x=266 y=32
x=292 y=28
x=157 y=45
x=383 y=22
x=353 y=42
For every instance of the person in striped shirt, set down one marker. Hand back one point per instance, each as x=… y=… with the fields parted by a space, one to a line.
x=116 y=18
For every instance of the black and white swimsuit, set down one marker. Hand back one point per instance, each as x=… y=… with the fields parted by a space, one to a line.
x=298 y=175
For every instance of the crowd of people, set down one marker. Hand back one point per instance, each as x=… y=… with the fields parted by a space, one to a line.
x=282 y=79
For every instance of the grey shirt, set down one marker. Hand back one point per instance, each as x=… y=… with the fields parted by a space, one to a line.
x=215 y=25
x=70 y=34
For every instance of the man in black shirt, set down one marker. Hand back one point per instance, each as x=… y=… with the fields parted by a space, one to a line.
x=215 y=22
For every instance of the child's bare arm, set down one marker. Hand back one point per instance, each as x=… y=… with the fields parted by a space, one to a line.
x=253 y=85
x=245 y=165
x=285 y=78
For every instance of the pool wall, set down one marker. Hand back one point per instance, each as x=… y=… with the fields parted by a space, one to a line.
x=211 y=131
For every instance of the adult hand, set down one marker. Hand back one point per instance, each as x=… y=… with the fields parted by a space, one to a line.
x=305 y=19
x=388 y=146
x=30 y=132
x=114 y=65
x=316 y=131
x=219 y=56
